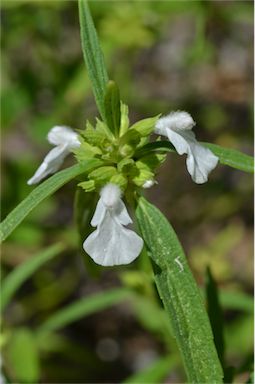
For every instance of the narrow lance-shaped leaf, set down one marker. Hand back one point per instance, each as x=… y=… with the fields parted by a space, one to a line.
x=155 y=373
x=180 y=296
x=22 y=355
x=20 y=274
x=84 y=307
x=40 y=193
x=93 y=56
x=227 y=156
x=236 y=300
x=215 y=314
x=112 y=107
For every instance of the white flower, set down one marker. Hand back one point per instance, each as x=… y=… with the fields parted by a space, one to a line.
x=111 y=243
x=149 y=183
x=177 y=127
x=65 y=139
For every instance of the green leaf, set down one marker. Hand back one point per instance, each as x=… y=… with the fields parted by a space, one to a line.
x=180 y=296
x=227 y=156
x=151 y=315
x=155 y=373
x=112 y=107
x=20 y=274
x=239 y=301
x=238 y=335
x=84 y=307
x=232 y=157
x=93 y=55
x=215 y=314
x=40 y=193
x=153 y=318
x=23 y=356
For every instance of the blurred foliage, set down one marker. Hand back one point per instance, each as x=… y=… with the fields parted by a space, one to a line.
x=164 y=55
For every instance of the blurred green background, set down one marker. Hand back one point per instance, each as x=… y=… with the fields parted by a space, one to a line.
x=165 y=55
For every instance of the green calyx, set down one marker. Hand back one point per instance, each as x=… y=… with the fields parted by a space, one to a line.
x=117 y=147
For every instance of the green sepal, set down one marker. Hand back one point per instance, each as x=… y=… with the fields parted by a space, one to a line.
x=137 y=135
x=125 y=165
x=131 y=138
x=108 y=148
x=94 y=136
x=145 y=167
x=145 y=127
x=127 y=150
x=120 y=180
x=140 y=174
x=112 y=107
x=102 y=127
x=86 y=151
x=102 y=175
x=152 y=161
x=88 y=186
x=143 y=141
x=124 y=119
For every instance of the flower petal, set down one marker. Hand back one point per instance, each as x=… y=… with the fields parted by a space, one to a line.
x=112 y=244
x=178 y=121
x=50 y=164
x=110 y=195
x=61 y=135
x=149 y=183
x=99 y=214
x=121 y=214
x=200 y=160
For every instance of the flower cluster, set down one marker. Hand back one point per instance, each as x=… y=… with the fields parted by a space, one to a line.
x=125 y=168
x=122 y=166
